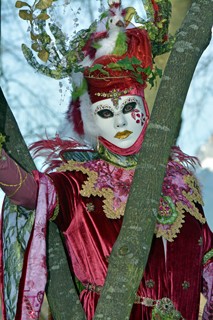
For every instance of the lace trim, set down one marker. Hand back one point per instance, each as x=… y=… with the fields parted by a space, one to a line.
x=88 y=189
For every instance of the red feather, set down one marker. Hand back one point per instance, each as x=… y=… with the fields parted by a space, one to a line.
x=184 y=158
x=52 y=149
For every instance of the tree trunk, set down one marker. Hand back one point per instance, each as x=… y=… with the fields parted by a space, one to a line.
x=130 y=253
x=179 y=10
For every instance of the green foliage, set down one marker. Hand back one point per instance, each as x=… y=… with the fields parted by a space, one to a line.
x=157 y=25
x=25 y=15
x=62 y=57
x=78 y=91
x=54 y=55
x=43 y=4
x=133 y=65
x=36 y=16
x=20 y=4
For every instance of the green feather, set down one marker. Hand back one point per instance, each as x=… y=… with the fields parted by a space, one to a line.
x=120 y=45
x=79 y=91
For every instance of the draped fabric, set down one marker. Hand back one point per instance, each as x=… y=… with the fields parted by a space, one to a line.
x=23 y=254
x=89 y=236
x=179 y=269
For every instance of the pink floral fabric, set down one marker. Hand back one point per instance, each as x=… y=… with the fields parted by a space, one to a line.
x=116 y=178
x=36 y=271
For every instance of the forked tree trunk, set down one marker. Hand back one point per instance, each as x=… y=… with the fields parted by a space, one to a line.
x=130 y=253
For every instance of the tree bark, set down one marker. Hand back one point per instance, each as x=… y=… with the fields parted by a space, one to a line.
x=61 y=293
x=15 y=144
x=131 y=250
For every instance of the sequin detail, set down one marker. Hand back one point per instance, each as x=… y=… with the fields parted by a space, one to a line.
x=165 y=310
x=114 y=95
x=90 y=207
x=185 y=285
x=162 y=309
x=149 y=283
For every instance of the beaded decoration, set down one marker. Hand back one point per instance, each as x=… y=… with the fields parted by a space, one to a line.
x=114 y=95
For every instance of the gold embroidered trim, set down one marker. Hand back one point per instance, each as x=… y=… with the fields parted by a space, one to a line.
x=88 y=189
x=171 y=233
x=192 y=182
x=181 y=208
x=114 y=95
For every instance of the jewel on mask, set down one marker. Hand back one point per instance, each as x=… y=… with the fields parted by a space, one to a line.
x=102 y=107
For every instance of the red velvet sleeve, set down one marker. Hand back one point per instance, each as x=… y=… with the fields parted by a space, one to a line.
x=17 y=184
x=67 y=185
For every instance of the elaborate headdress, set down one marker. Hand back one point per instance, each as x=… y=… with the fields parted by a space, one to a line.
x=116 y=63
x=110 y=55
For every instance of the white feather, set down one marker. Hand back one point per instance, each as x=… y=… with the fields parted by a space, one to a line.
x=90 y=129
x=107 y=44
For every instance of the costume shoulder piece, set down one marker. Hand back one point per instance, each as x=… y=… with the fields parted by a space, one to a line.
x=180 y=195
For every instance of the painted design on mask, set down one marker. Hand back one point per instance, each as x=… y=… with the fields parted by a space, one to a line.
x=138 y=116
x=130 y=106
x=123 y=125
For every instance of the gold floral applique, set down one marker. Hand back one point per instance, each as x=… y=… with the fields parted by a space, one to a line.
x=194 y=197
x=187 y=201
x=172 y=232
x=89 y=189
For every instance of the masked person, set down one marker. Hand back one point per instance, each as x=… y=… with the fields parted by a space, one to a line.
x=86 y=197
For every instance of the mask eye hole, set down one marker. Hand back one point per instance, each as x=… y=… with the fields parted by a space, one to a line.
x=129 y=107
x=105 y=113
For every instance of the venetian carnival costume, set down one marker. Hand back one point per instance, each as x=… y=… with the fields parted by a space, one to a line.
x=87 y=193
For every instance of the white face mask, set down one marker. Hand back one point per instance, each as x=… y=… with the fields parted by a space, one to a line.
x=121 y=125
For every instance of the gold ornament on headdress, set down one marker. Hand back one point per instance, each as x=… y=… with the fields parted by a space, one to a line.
x=114 y=95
